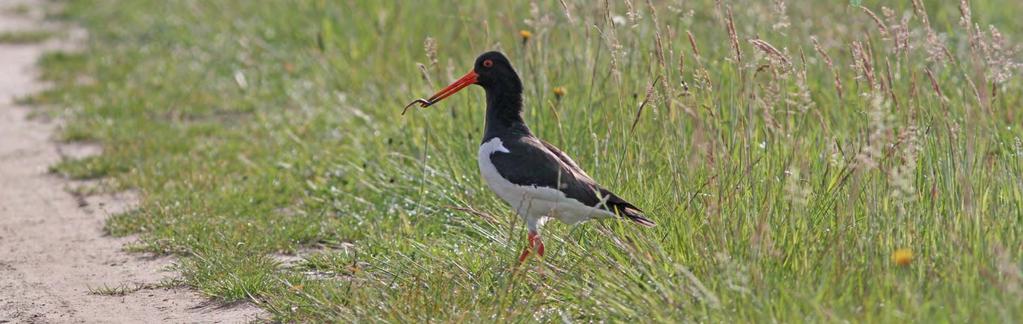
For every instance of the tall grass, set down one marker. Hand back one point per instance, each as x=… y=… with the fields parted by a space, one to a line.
x=785 y=150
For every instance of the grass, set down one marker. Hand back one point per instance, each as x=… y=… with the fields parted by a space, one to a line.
x=17 y=10
x=785 y=152
x=122 y=289
x=25 y=36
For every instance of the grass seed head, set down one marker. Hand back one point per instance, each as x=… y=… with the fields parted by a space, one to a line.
x=430 y=46
x=781 y=10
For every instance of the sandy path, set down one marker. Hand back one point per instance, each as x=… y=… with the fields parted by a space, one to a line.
x=52 y=249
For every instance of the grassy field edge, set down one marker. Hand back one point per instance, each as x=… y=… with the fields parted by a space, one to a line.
x=827 y=162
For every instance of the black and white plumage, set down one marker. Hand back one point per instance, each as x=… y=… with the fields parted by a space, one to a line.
x=539 y=181
x=536 y=179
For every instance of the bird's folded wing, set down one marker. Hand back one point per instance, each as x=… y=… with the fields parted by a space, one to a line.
x=533 y=162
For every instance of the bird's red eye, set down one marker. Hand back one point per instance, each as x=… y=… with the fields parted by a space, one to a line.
x=488 y=63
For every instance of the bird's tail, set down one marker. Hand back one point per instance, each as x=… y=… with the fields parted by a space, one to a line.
x=637 y=216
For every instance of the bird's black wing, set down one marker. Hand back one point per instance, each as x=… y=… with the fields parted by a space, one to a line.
x=533 y=162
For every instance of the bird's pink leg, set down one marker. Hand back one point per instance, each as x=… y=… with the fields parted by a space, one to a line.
x=524 y=255
x=534 y=243
x=538 y=244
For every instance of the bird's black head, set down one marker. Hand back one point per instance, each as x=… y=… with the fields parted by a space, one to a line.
x=492 y=71
x=495 y=73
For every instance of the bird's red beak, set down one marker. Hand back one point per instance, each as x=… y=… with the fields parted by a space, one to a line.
x=465 y=81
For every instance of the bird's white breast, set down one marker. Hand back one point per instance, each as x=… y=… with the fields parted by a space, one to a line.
x=532 y=203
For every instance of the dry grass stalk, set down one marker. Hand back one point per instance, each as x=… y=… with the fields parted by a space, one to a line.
x=771 y=96
x=918 y=8
x=733 y=36
x=994 y=60
x=424 y=72
x=891 y=83
x=934 y=85
x=881 y=27
x=976 y=92
x=802 y=100
x=965 y=15
x=718 y=11
x=692 y=43
x=935 y=45
x=611 y=40
x=831 y=65
x=653 y=15
x=999 y=56
x=662 y=63
x=966 y=21
x=682 y=64
x=701 y=76
x=539 y=20
x=913 y=93
x=936 y=49
x=449 y=71
x=780 y=8
x=430 y=46
x=632 y=14
x=824 y=55
x=802 y=60
x=568 y=11
x=666 y=90
x=646 y=99
x=878 y=76
x=934 y=82
x=869 y=52
x=901 y=177
x=898 y=28
x=870 y=155
x=771 y=51
x=864 y=63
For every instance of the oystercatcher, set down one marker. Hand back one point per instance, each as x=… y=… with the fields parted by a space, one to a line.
x=537 y=179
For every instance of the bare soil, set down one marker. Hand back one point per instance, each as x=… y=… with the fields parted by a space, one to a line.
x=54 y=256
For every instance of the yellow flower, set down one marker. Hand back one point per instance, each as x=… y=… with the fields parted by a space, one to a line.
x=902 y=257
x=526 y=35
x=559 y=92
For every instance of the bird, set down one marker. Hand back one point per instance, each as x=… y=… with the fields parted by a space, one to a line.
x=538 y=180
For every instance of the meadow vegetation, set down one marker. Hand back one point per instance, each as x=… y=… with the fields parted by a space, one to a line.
x=24 y=37
x=823 y=161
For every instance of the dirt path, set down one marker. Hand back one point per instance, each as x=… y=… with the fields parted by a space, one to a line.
x=52 y=249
